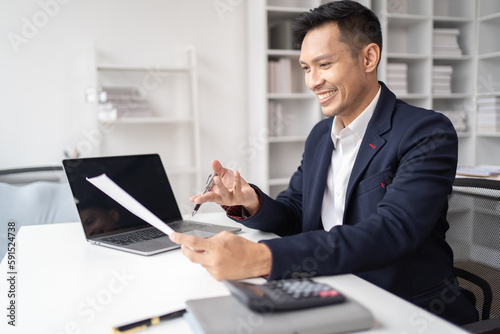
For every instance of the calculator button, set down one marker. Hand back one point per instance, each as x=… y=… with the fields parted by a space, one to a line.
x=328 y=293
x=333 y=293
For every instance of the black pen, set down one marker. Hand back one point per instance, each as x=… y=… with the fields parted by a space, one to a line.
x=143 y=324
x=208 y=186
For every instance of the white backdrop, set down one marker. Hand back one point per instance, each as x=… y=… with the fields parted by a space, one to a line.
x=44 y=69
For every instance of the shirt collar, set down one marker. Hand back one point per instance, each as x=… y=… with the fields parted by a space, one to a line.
x=360 y=123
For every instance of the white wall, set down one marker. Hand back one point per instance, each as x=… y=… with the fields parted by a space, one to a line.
x=44 y=72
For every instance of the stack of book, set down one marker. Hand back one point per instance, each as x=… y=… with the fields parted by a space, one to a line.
x=445 y=42
x=280 y=76
x=397 y=78
x=441 y=79
x=118 y=102
x=458 y=119
x=488 y=114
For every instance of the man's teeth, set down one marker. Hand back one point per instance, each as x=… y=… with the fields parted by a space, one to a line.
x=325 y=95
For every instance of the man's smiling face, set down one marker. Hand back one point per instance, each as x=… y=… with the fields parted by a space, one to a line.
x=337 y=78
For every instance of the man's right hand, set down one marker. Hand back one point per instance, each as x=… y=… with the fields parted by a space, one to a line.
x=229 y=189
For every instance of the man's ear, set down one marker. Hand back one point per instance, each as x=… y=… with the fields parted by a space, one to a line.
x=371 y=57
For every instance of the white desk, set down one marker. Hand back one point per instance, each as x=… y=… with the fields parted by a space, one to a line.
x=66 y=285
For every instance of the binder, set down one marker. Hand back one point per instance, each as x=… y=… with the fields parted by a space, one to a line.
x=227 y=315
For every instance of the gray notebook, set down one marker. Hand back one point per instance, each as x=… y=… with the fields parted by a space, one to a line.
x=227 y=315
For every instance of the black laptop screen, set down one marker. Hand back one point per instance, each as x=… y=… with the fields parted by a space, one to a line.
x=142 y=176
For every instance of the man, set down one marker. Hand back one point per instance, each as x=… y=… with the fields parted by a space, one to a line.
x=370 y=195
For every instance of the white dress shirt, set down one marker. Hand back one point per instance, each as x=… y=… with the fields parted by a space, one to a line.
x=346 y=141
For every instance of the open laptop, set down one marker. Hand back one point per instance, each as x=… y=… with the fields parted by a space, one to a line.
x=107 y=223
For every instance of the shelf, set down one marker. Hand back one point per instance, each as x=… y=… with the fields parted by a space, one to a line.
x=453 y=58
x=495 y=93
x=452 y=19
x=148 y=120
x=407 y=56
x=487 y=7
x=492 y=17
x=487 y=56
x=452 y=96
x=488 y=134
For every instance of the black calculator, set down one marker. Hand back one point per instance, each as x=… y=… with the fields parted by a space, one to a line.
x=284 y=295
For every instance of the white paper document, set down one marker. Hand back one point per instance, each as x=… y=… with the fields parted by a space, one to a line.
x=106 y=185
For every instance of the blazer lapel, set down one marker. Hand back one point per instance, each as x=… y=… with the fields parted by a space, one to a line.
x=372 y=141
x=316 y=185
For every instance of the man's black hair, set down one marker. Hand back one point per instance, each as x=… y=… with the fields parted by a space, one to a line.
x=358 y=25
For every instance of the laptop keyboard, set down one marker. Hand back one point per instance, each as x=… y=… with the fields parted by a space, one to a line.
x=134 y=237
x=149 y=233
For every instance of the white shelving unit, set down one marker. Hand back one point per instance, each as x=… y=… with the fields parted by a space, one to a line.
x=408 y=29
x=172 y=130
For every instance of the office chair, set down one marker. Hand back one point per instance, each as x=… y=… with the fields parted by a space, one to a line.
x=26 y=175
x=474 y=235
x=34 y=196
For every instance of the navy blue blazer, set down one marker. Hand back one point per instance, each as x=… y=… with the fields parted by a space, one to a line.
x=394 y=225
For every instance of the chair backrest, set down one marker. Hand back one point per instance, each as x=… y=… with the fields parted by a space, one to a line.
x=474 y=235
x=26 y=175
x=27 y=199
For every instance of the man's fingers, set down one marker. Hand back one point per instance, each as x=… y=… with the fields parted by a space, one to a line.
x=237 y=183
x=208 y=197
x=222 y=190
x=217 y=167
x=195 y=243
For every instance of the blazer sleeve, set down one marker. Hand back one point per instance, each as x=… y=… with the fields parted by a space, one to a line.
x=279 y=217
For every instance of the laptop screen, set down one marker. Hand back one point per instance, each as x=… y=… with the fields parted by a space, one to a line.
x=142 y=176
